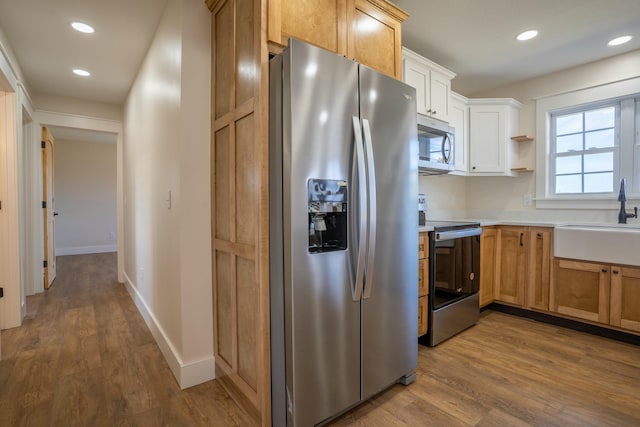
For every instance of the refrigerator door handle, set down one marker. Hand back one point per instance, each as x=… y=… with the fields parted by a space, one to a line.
x=362 y=211
x=371 y=211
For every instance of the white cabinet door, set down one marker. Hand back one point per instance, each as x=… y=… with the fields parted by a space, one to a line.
x=439 y=92
x=486 y=144
x=418 y=77
x=458 y=117
x=492 y=123
x=432 y=83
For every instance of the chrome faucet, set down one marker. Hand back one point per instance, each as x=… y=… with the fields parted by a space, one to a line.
x=622 y=198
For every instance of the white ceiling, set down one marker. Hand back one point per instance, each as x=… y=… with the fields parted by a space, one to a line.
x=476 y=38
x=47 y=48
x=473 y=38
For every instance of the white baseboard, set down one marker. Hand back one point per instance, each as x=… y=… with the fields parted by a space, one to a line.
x=187 y=374
x=81 y=250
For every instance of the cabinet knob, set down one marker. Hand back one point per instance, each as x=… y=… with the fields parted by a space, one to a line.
x=539 y=235
x=615 y=271
x=473 y=167
x=604 y=270
x=434 y=112
x=521 y=239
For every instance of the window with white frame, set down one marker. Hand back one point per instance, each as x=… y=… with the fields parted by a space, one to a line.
x=592 y=146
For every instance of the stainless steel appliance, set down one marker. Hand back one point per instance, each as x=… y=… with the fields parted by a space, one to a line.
x=436 y=141
x=454 y=278
x=343 y=234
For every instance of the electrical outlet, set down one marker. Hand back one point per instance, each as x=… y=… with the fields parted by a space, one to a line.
x=527 y=200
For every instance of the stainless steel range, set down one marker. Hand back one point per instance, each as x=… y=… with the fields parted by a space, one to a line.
x=454 y=278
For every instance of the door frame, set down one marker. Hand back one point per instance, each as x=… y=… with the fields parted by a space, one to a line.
x=47 y=118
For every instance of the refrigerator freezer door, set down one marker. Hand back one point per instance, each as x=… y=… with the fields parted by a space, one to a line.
x=390 y=305
x=322 y=319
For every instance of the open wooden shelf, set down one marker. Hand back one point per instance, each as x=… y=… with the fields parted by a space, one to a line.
x=522 y=138
x=521 y=170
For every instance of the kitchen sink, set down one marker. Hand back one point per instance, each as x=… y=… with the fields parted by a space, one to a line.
x=609 y=243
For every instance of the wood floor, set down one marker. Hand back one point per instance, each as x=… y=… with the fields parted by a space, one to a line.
x=84 y=357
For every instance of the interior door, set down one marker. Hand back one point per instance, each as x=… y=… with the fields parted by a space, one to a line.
x=48 y=208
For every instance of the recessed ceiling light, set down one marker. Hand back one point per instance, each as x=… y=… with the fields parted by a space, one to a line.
x=619 y=40
x=527 y=35
x=82 y=27
x=81 y=72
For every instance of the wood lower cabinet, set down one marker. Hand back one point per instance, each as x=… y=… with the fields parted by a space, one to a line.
x=423 y=315
x=625 y=298
x=488 y=240
x=423 y=283
x=581 y=289
x=539 y=268
x=368 y=31
x=511 y=264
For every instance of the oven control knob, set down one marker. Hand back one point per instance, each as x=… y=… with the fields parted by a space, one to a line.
x=472 y=275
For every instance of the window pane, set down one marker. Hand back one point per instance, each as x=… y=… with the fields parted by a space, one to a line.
x=600 y=119
x=601 y=162
x=571 y=123
x=569 y=164
x=569 y=143
x=599 y=139
x=598 y=182
x=569 y=184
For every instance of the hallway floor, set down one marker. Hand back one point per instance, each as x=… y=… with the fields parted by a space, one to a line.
x=85 y=357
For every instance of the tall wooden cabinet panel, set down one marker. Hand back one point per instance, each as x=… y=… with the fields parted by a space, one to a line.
x=369 y=31
x=581 y=289
x=511 y=265
x=488 y=242
x=539 y=268
x=625 y=298
x=423 y=282
x=239 y=177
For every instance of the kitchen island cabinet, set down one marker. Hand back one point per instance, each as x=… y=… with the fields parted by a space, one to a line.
x=368 y=31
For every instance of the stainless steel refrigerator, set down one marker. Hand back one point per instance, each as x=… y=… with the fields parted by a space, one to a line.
x=343 y=234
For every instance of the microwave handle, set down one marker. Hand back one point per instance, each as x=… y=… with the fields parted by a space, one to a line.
x=446 y=140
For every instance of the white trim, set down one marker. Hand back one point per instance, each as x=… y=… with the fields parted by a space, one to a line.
x=544 y=106
x=101 y=125
x=187 y=374
x=81 y=250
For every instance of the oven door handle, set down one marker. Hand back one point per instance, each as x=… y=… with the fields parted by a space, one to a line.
x=457 y=234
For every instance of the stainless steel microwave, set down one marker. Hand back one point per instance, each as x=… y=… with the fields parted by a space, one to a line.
x=436 y=141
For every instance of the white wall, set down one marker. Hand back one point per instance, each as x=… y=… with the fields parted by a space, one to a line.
x=166 y=151
x=502 y=197
x=85 y=197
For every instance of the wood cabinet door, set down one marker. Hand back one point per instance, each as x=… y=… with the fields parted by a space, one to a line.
x=511 y=264
x=374 y=35
x=581 y=289
x=423 y=245
x=487 y=264
x=625 y=298
x=321 y=23
x=423 y=316
x=539 y=268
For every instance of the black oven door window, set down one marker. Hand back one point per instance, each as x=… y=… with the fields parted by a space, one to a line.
x=455 y=270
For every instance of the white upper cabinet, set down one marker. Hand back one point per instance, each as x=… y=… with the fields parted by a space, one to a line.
x=492 y=123
x=459 y=119
x=432 y=83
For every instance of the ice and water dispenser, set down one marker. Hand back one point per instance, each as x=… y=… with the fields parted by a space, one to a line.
x=327 y=210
